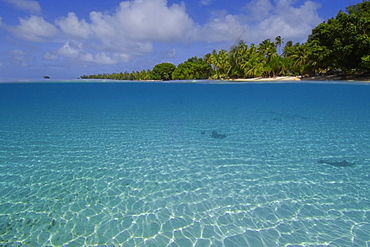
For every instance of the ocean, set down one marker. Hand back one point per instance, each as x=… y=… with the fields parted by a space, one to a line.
x=184 y=164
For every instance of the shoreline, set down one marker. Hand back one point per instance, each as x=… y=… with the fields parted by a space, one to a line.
x=266 y=79
x=319 y=78
x=278 y=79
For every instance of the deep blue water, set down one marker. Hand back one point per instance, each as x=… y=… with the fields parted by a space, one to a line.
x=136 y=164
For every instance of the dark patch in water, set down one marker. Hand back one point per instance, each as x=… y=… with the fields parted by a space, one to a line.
x=342 y=163
x=217 y=135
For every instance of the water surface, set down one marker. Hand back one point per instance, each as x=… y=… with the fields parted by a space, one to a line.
x=139 y=164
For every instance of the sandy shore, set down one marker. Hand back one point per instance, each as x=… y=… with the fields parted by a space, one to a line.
x=312 y=78
x=279 y=78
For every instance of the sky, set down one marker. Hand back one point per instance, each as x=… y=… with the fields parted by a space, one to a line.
x=70 y=38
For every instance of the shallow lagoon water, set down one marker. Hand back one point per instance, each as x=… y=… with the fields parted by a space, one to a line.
x=136 y=164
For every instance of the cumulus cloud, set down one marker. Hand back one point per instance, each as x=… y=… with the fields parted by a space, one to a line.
x=223 y=28
x=74 y=27
x=76 y=49
x=130 y=30
x=139 y=21
x=261 y=19
x=29 y=5
x=34 y=28
x=105 y=58
x=71 y=49
x=281 y=18
x=259 y=10
x=134 y=26
x=142 y=20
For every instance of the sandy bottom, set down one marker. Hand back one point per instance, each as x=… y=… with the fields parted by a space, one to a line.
x=150 y=171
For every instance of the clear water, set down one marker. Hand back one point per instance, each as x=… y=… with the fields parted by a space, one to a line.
x=135 y=164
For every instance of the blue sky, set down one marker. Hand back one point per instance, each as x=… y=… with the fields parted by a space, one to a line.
x=67 y=39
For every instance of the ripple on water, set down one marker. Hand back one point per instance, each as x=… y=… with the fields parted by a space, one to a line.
x=150 y=177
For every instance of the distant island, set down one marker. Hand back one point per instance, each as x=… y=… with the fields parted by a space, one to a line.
x=338 y=48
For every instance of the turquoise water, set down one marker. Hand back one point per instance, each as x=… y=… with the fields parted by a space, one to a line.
x=143 y=164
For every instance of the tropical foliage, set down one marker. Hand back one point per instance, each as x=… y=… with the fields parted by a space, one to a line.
x=339 y=44
x=135 y=75
x=194 y=68
x=163 y=71
x=342 y=42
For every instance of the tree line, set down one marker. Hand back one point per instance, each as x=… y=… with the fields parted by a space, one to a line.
x=338 y=44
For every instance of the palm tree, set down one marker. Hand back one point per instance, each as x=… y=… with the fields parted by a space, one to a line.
x=300 y=57
x=254 y=67
x=278 y=42
x=287 y=48
x=238 y=55
x=267 y=49
x=221 y=64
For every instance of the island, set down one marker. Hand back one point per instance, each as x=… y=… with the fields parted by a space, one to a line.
x=337 y=49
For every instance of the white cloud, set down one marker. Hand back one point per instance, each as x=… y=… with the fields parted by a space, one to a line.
x=143 y=20
x=34 y=28
x=29 y=5
x=135 y=26
x=74 y=27
x=130 y=30
x=258 y=10
x=281 y=19
x=262 y=19
x=101 y=58
x=105 y=58
x=223 y=28
x=132 y=25
x=71 y=49
x=77 y=50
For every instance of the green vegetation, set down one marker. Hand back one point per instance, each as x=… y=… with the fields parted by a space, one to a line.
x=163 y=71
x=339 y=44
x=194 y=68
x=342 y=42
x=135 y=75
